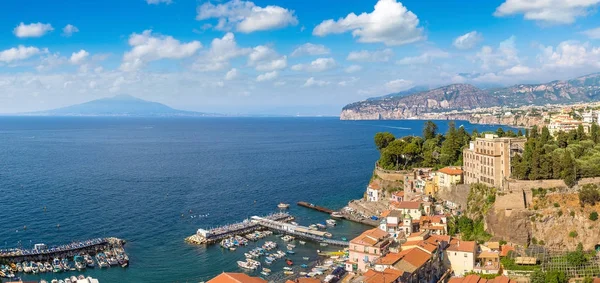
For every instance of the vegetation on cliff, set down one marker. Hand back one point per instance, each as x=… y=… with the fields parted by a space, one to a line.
x=471 y=224
x=567 y=156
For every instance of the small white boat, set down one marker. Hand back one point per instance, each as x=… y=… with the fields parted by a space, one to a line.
x=283 y=205
x=330 y=222
x=305 y=258
x=337 y=214
x=323 y=244
x=302 y=242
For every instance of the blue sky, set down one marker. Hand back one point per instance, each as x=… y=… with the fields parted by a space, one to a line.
x=282 y=57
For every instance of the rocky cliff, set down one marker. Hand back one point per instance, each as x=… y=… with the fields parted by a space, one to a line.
x=464 y=97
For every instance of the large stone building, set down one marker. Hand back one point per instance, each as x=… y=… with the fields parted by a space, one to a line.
x=488 y=159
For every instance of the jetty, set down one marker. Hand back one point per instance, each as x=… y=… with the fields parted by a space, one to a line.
x=344 y=214
x=43 y=252
x=275 y=222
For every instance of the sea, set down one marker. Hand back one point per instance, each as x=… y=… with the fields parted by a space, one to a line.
x=155 y=181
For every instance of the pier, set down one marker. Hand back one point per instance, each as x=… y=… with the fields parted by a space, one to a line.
x=298 y=231
x=42 y=252
x=342 y=214
x=214 y=235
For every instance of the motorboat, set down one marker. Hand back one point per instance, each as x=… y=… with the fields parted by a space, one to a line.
x=65 y=264
x=337 y=214
x=289 y=262
x=283 y=205
x=287 y=268
x=330 y=222
x=89 y=261
x=56 y=266
x=302 y=242
x=305 y=258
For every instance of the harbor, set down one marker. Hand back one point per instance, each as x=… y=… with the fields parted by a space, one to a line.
x=346 y=213
x=76 y=256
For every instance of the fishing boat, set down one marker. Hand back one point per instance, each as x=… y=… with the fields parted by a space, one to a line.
x=321 y=226
x=290 y=246
x=56 y=267
x=89 y=261
x=291 y=252
x=65 y=264
x=27 y=267
x=304 y=265
x=245 y=265
x=289 y=262
x=282 y=205
x=79 y=262
x=287 y=268
x=330 y=222
x=302 y=242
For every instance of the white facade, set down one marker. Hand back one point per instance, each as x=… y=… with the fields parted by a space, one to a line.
x=372 y=194
x=461 y=262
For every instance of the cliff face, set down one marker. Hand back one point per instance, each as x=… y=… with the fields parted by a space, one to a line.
x=452 y=97
x=464 y=97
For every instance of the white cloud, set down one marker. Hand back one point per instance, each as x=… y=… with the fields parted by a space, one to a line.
x=310 y=49
x=570 y=55
x=246 y=17
x=78 y=57
x=267 y=76
x=505 y=55
x=231 y=74
x=69 y=30
x=313 y=82
x=390 y=23
x=348 y=82
x=547 y=11
x=592 y=33
x=32 y=30
x=156 y=2
x=51 y=61
x=18 y=53
x=146 y=48
x=424 y=58
x=266 y=59
x=318 y=65
x=468 y=40
x=221 y=51
x=518 y=70
x=371 y=56
x=353 y=69
x=398 y=85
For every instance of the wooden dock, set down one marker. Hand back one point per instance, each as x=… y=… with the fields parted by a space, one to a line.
x=315 y=207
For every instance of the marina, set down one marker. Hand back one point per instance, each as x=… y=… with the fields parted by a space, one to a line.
x=77 y=256
x=343 y=214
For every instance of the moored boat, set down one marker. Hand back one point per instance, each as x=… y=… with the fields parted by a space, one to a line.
x=283 y=205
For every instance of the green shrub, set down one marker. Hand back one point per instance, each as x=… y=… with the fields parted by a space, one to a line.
x=573 y=234
x=560 y=213
x=556 y=204
x=572 y=213
x=594 y=216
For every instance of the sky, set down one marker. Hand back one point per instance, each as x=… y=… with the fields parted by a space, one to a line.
x=290 y=57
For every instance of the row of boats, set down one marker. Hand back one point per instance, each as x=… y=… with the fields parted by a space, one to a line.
x=109 y=257
x=72 y=279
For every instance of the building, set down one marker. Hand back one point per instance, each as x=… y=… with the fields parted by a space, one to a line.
x=461 y=256
x=366 y=248
x=435 y=225
x=374 y=191
x=565 y=123
x=412 y=208
x=397 y=196
x=488 y=159
x=386 y=276
x=449 y=176
x=304 y=280
x=230 y=277
x=477 y=279
x=431 y=188
x=396 y=223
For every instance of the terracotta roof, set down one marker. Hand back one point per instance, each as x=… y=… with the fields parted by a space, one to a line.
x=399 y=193
x=229 y=277
x=596 y=280
x=304 y=280
x=385 y=213
x=390 y=258
x=488 y=255
x=374 y=186
x=370 y=237
x=413 y=260
x=463 y=246
x=407 y=204
x=504 y=249
x=426 y=246
x=476 y=279
x=451 y=171
x=388 y=275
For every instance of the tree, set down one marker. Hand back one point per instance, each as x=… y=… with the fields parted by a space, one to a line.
x=538 y=276
x=595 y=133
x=580 y=133
x=594 y=216
x=474 y=134
x=577 y=257
x=589 y=194
x=500 y=132
x=450 y=146
x=430 y=130
x=554 y=276
x=410 y=151
x=545 y=137
x=519 y=133
x=382 y=140
x=393 y=154
x=562 y=139
x=568 y=173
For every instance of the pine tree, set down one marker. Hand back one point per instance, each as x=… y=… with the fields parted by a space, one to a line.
x=430 y=130
x=569 y=168
x=500 y=132
x=519 y=133
x=595 y=133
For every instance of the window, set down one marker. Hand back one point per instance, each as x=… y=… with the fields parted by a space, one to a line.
x=465 y=254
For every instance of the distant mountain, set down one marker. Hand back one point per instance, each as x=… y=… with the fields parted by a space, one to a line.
x=120 y=105
x=401 y=93
x=465 y=96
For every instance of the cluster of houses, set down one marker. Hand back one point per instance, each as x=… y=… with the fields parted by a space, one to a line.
x=412 y=243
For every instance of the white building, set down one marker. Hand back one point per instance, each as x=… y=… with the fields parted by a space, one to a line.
x=412 y=208
x=374 y=192
x=462 y=257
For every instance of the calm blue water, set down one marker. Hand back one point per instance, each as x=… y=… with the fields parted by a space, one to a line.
x=132 y=178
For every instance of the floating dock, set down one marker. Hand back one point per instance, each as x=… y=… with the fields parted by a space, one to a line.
x=42 y=252
x=298 y=231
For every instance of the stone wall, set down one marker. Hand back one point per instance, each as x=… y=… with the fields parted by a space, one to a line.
x=519 y=185
x=389 y=175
